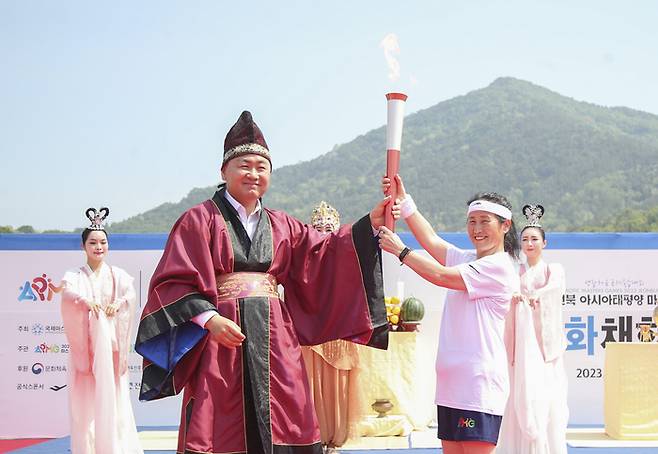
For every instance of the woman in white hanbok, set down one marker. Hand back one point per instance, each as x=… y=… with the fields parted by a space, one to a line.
x=98 y=304
x=536 y=415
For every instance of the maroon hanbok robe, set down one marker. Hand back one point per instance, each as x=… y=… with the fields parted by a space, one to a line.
x=255 y=398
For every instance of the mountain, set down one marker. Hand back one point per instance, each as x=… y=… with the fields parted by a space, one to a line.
x=584 y=163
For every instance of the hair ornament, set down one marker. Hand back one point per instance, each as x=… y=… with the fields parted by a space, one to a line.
x=97 y=217
x=533 y=214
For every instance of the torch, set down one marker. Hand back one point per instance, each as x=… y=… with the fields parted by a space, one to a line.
x=395 y=116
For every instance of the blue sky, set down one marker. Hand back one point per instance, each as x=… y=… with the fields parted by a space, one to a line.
x=126 y=103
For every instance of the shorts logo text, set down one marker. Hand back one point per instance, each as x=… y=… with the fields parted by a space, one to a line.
x=466 y=422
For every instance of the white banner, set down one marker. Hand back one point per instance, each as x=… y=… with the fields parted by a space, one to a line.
x=609 y=291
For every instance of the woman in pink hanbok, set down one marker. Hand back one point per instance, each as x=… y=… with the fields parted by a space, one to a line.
x=536 y=415
x=98 y=304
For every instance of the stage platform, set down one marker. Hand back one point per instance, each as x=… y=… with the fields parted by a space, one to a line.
x=581 y=440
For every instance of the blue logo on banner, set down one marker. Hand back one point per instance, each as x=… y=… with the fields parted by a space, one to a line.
x=26 y=293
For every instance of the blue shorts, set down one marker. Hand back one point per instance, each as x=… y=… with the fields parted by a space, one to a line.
x=466 y=425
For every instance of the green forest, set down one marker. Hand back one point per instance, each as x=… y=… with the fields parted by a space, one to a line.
x=593 y=168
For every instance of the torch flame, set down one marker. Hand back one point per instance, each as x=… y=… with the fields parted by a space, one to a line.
x=391 y=48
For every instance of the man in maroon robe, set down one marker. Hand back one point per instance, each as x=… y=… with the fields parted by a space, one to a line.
x=215 y=327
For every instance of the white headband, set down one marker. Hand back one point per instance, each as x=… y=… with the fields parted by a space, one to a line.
x=490 y=207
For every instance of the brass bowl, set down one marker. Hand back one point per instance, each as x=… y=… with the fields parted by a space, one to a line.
x=382 y=406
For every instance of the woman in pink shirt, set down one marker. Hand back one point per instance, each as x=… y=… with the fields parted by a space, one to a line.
x=471 y=365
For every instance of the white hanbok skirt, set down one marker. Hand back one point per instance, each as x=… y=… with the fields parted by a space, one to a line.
x=536 y=415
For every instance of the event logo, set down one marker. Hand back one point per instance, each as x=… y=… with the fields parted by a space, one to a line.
x=40 y=368
x=53 y=348
x=37 y=329
x=466 y=422
x=41 y=288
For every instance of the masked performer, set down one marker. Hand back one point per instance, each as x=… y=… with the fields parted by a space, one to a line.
x=331 y=366
x=98 y=304
x=536 y=415
x=214 y=325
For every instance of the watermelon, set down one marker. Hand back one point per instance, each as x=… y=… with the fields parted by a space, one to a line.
x=412 y=310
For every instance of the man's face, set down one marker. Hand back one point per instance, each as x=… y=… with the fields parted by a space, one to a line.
x=247 y=177
x=486 y=232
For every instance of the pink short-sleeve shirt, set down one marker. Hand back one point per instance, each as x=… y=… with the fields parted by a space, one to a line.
x=471 y=362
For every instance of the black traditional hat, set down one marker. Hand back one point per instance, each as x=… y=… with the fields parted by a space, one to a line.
x=245 y=137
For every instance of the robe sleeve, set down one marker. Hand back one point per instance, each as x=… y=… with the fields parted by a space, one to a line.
x=124 y=316
x=334 y=285
x=509 y=334
x=75 y=315
x=553 y=341
x=530 y=401
x=182 y=286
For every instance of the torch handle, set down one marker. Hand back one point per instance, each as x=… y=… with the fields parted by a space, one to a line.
x=392 y=168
